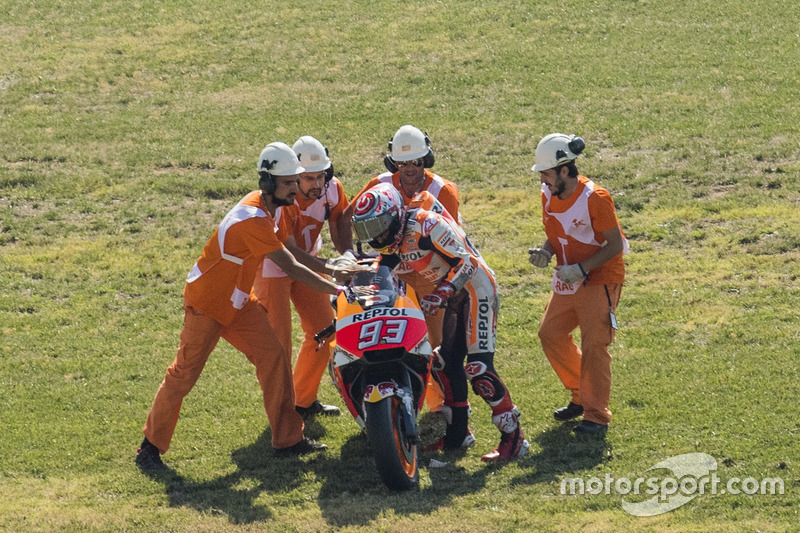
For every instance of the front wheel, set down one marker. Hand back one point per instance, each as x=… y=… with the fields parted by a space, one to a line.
x=395 y=457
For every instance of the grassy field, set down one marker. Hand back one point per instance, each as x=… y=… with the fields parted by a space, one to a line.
x=127 y=130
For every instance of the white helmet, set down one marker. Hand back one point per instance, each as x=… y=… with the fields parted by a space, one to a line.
x=313 y=155
x=409 y=143
x=279 y=160
x=557 y=149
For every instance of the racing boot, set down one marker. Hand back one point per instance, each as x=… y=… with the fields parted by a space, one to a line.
x=512 y=441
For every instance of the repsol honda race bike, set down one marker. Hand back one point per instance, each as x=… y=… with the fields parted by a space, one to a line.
x=380 y=362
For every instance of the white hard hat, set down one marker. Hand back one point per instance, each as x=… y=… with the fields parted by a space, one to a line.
x=313 y=155
x=279 y=159
x=409 y=143
x=556 y=149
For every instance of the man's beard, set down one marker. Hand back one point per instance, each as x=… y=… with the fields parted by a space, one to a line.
x=311 y=194
x=559 y=185
x=282 y=202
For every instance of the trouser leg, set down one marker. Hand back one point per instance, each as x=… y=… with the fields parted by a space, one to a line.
x=252 y=334
x=596 y=336
x=316 y=313
x=198 y=338
x=456 y=389
x=275 y=295
x=555 y=334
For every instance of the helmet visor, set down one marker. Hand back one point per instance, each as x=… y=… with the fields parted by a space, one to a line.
x=370 y=228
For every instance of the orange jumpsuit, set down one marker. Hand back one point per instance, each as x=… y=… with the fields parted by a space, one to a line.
x=574 y=228
x=446 y=193
x=274 y=289
x=217 y=304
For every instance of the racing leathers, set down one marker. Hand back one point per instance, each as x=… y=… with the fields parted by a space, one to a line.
x=437 y=248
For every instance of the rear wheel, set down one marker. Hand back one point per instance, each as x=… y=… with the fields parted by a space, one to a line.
x=395 y=457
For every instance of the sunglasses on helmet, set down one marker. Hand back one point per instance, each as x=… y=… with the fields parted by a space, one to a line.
x=416 y=162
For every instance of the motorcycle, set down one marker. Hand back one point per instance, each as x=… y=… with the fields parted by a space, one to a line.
x=380 y=361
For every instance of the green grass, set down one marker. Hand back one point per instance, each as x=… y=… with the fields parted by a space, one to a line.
x=127 y=130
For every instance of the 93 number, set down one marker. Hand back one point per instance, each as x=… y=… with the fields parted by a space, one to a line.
x=388 y=331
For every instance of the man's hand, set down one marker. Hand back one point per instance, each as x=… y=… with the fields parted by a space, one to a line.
x=431 y=303
x=345 y=267
x=539 y=257
x=569 y=274
x=344 y=259
x=345 y=272
x=352 y=294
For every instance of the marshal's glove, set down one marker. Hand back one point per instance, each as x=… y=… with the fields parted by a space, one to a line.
x=431 y=303
x=347 y=258
x=569 y=274
x=539 y=257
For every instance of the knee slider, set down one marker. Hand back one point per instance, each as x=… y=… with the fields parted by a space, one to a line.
x=485 y=383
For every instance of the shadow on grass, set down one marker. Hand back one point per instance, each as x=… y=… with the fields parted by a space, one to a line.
x=259 y=470
x=562 y=452
x=351 y=492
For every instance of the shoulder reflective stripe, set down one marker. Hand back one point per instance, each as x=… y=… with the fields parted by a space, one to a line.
x=316 y=210
x=194 y=274
x=436 y=186
x=239 y=213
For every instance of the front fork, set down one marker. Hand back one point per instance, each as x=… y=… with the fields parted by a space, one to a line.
x=384 y=389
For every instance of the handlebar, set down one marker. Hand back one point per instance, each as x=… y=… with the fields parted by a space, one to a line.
x=323 y=335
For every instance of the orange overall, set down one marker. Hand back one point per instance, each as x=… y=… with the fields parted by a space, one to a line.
x=574 y=228
x=217 y=304
x=275 y=290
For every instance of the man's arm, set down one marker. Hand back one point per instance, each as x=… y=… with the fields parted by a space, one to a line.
x=304 y=258
x=339 y=271
x=341 y=231
x=295 y=270
x=454 y=252
x=612 y=248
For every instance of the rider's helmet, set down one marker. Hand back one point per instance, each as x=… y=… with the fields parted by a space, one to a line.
x=378 y=218
x=556 y=149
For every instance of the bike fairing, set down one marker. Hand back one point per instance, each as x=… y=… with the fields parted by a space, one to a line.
x=388 y=319
x=380 y=364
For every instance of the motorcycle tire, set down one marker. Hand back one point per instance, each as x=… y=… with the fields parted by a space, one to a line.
x=395 y=457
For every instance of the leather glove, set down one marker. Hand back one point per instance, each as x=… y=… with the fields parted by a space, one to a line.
x=569 y=274
x=431 y=303
x=539 y=257
x=349 y=293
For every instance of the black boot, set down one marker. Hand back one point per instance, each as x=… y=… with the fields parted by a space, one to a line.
x=148 y=457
